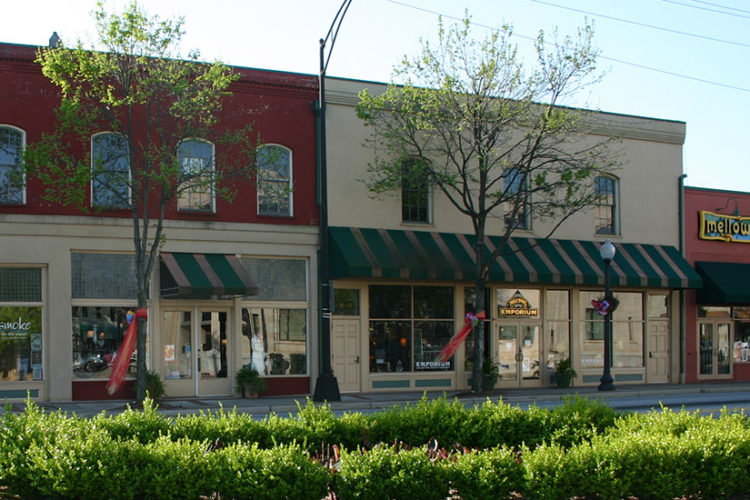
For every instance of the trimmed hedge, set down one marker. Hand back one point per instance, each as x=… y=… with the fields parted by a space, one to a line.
x=434 y=449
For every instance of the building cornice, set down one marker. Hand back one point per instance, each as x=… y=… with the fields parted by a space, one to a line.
x=346 y=93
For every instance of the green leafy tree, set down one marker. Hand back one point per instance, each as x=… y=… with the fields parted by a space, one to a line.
x=136 y=86
x=468 y=118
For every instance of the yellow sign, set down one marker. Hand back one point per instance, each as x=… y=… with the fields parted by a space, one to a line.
x=518 y=306
x=723 y=227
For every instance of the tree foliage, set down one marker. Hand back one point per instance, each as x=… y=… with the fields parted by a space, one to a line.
x=136 y=86
x=492 y=136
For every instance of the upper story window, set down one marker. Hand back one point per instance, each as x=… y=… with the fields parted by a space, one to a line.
x=110 y=171
x=415 y=193
x=274 y=180
x=196 y=190
x=516 y=194
x=12 y=181
x=605 y=210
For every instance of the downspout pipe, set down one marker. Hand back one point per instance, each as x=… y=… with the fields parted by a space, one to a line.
x=683 y=317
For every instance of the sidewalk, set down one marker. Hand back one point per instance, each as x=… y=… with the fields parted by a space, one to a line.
x=649 y=395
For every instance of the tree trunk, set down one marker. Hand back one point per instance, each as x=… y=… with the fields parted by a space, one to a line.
x=478 y=333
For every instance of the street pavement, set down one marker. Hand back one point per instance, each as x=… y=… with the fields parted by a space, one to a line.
x=706 y=397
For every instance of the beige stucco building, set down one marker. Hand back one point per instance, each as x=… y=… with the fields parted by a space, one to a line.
x=386 y=268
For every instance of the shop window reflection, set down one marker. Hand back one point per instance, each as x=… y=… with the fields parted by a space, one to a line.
x=274 y=340
x=97 y=335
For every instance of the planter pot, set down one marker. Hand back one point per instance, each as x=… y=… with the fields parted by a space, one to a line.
x=249 y=392
x=563 y=379
x=489 y=381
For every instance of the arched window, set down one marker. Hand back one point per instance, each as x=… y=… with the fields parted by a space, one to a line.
x=110 y=171
x=274 y=180
x=605 y=211
x=12 y=180
x=196 y=190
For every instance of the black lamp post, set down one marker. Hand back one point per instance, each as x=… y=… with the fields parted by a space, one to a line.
x=607 y=251
x=326 y=387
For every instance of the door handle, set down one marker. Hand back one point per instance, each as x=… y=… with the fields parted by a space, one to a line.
x=650 y=354
x=356 y=360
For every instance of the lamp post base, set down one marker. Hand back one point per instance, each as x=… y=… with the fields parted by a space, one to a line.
x=327 y=387
x=606 y=383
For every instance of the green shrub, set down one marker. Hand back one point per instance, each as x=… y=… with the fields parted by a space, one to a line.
x=228 y=427
x=494 y=473
x=417 y=424
x=282 y=472
x=144 y=425
x=386 y=473
x=90 y=466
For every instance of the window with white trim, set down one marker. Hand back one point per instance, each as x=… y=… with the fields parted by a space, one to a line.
x=196 y=191
x=110 y=171
x=274 y=180
x=605 y=210
x=12 y=181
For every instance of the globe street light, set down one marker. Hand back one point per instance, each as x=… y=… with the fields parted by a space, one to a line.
x=607 y=251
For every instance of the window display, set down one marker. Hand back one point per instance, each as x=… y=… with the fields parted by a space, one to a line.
x=274 y=340
x=409 y=326
x=20 y=343
x=97 y=335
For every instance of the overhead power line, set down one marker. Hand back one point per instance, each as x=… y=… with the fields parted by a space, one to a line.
x=643 y=25
x=619 y=61
x=712 y=10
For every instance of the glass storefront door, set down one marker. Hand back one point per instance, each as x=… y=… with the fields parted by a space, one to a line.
x=518 y=351
x=196 y=347
x=714 y=349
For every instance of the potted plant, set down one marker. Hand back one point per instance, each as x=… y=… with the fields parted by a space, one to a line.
x=564 y=372
x=490 y=374
x=249 y=383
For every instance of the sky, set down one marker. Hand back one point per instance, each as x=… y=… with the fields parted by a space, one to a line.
x=683 y=60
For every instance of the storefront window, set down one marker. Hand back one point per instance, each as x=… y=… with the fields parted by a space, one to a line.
x=274 y=340
x=97 y=335
x=176 y=330
x=409 y=326
x=20 y=325
x=20 y=343
x=741 y=345
x=627 y=331
x=557 y=326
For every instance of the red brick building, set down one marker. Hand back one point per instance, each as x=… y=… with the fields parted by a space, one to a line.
x=65 y=272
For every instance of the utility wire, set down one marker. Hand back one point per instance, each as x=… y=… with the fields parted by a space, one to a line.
x=619 y=61
x=643 y=25
x=722 y=6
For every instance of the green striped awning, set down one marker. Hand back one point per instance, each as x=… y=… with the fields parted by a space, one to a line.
x=423 y=255
x=199 y=275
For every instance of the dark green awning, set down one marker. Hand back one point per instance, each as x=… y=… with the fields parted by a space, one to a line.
x=423 y=255
x=724 y=283
x=198 y=275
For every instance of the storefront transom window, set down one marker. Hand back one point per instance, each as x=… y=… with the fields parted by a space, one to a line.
x=408 y=327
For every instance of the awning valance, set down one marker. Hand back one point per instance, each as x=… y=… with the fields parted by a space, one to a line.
x=422 y=255
x=204 y=275
x=724 y=283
